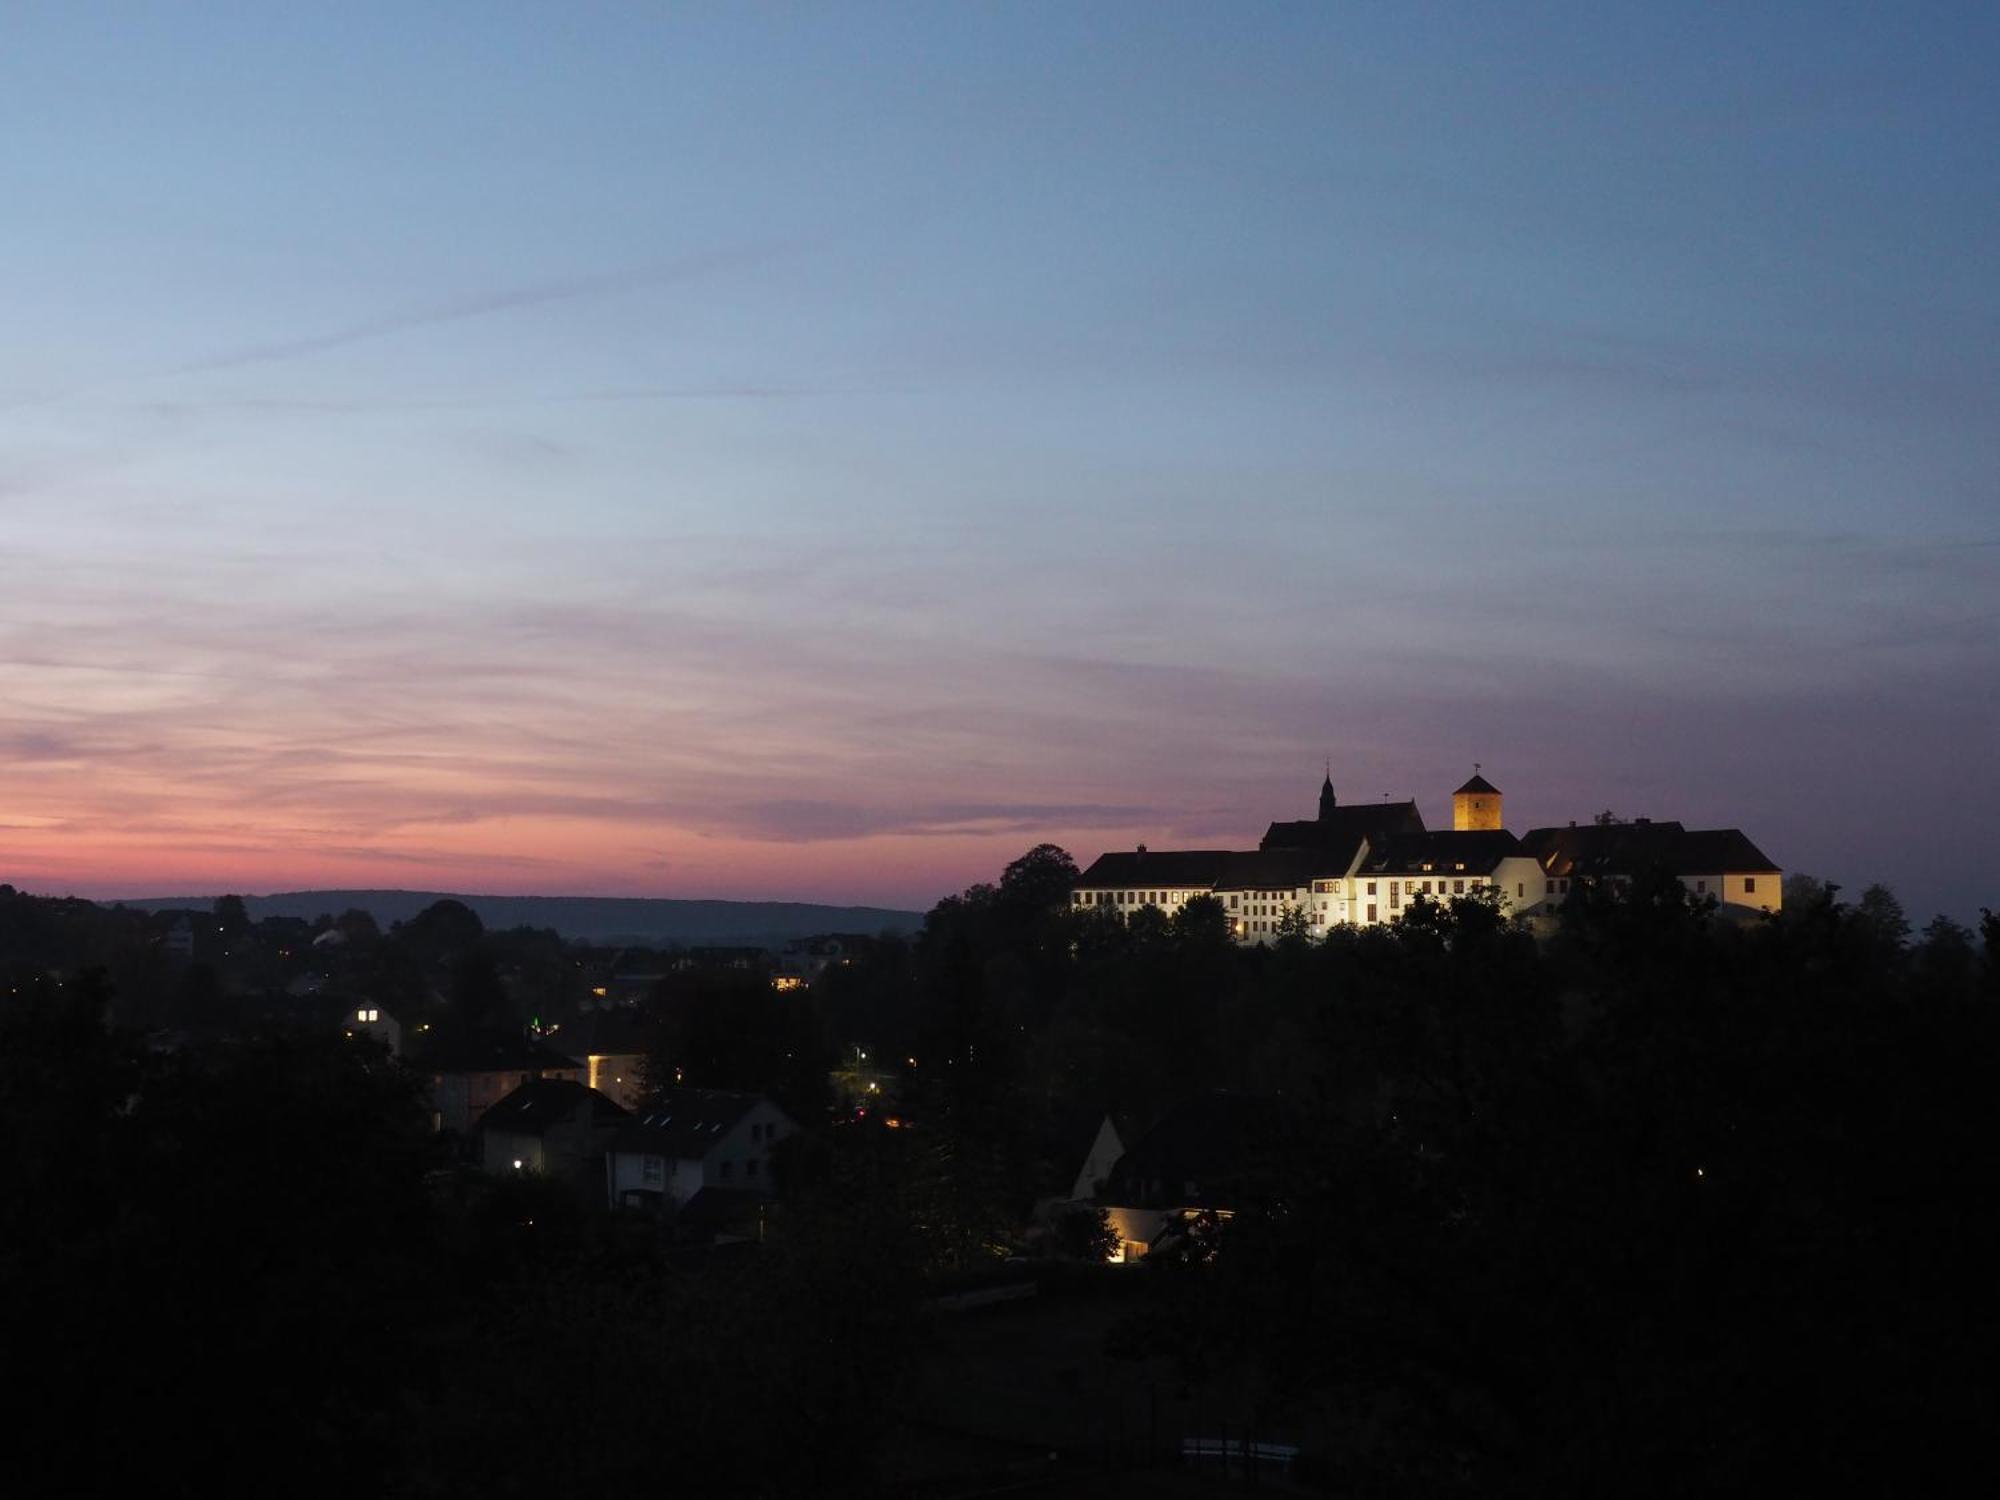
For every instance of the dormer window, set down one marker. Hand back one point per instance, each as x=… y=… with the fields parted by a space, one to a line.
x=368 y=1014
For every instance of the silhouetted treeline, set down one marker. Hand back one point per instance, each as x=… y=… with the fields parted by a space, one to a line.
x=1659 y=1202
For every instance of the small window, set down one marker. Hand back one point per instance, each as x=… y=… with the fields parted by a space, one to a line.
x=1458 y=887
x=1749 y=884
x=1371 y=911
x=728 y=1169
x=1371 y=891
x=750 y=1167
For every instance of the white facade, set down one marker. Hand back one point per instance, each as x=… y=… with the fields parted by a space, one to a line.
x=737 y=1157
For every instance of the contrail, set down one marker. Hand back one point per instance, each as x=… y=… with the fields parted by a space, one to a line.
x=534 y=294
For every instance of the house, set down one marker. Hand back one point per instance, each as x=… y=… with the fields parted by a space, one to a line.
x=805 y=959
x=554 y=1126
x=694 y=1139
x=611 y=1045
x=469 y=1075
x=1106 y=1147
x=366 y=1018
x=178 y=940
x=1205 y=1156
x=1367 y=864
x=1718 y=862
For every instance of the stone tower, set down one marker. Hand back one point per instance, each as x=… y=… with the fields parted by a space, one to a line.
x=1476 y=805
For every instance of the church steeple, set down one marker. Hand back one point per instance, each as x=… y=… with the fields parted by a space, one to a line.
x=1326 y=798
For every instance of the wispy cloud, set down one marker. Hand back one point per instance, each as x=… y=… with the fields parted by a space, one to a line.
x=486 y=304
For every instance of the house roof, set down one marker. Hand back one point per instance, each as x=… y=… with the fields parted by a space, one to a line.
x=1213 y=869
x=1626 y=848
x=1341 y=831
x=686 y=1123
x=1477 y=786
x=1176 y=868
x=1443 y=852
x=1279 y=869
x=1200 y=1154
x=543 y=1102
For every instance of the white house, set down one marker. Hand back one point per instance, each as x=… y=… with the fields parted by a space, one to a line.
x=694 y=1139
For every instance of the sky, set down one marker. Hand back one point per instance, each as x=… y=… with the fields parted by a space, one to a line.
x=820 y=452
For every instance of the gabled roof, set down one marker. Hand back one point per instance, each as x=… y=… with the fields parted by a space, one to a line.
x=686 y=1124
x=1627 y=848
x=1444 y=852
x=1340 y=832
x=542 y=1102
x=1176 y=869
x=1278 y=869
x=1214 y=1144
x=1477 y=786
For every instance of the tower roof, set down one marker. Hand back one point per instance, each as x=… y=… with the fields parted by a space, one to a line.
x=1478 y=784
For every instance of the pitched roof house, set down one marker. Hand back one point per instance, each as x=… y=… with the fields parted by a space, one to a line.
x=471 y=1074
x=552 y=1125
x=694 y=1139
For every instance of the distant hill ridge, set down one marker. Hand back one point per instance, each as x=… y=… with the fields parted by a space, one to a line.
x=589 y=919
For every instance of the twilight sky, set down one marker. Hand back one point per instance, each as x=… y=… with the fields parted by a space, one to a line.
x=818 y=452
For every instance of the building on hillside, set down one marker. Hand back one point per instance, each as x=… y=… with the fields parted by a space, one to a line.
x=178 y=940
x=369 y=1019
x=805 y=959
x=1210 y=1155
x=611 y=1046
x=554 y=1126
x=691 y=1140
x=1718 y=862
x=1367 y=863
x=470 y=1075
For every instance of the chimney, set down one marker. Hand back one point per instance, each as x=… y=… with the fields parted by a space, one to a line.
x=1142 y=851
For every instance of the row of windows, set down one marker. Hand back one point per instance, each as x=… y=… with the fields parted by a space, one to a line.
x=1129 y=898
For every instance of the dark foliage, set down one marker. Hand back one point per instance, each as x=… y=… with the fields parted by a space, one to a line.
x=1657 y=1204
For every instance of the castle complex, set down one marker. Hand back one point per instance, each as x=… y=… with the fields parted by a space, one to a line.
x=1366 y=863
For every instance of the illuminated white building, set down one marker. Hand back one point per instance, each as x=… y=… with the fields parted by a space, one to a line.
x=1366 y=864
